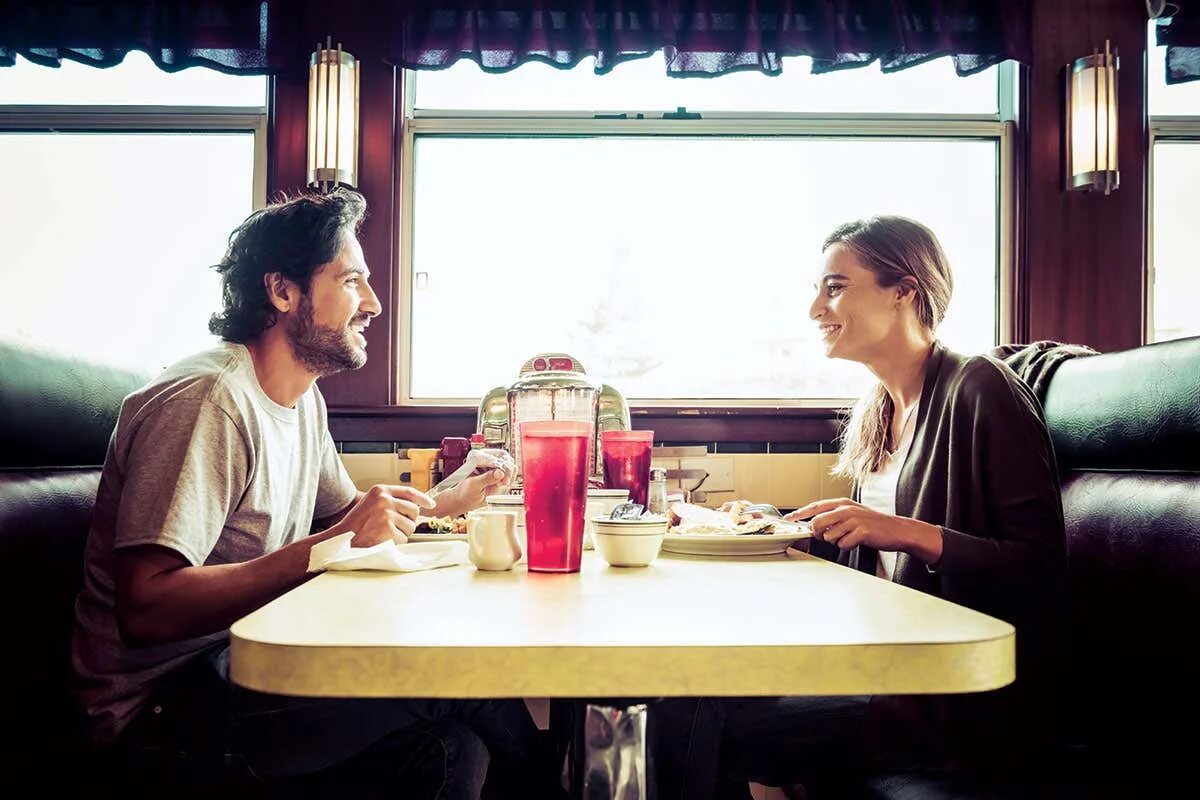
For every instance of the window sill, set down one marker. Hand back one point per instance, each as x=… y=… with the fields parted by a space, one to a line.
x=674 y=424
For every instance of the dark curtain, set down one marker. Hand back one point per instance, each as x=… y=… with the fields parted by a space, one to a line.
x=701 y=37
x=711 y=37
x=235 y=36
x=1182 y=38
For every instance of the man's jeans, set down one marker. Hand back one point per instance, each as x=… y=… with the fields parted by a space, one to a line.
x=200 y=725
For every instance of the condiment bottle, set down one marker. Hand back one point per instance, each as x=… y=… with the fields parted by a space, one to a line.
x=656 y=499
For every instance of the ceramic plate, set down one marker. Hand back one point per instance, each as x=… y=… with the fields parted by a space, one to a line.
x=437 y=537
x=747 y=544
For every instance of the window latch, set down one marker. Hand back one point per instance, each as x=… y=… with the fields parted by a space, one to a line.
x=681 y=112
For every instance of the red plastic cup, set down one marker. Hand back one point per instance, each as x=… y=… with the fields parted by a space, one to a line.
x=554 y=465
x=626 y=456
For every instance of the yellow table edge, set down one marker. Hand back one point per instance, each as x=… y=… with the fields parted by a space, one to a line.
x=577 y=671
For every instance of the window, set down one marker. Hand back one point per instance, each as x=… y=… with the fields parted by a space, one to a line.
x=124 y=184
x=1174 y=174
x=673 y=251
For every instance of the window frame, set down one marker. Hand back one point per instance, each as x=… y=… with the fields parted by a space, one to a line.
x=76 y=118
x=1166 y=128
x=147 y=119
x=998 y=127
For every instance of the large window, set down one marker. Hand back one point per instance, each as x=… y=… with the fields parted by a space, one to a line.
x=667 y=231
x=123 y=186
x=1175 y=176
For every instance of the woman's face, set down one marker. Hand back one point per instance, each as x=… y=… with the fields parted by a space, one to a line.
x=857 y=317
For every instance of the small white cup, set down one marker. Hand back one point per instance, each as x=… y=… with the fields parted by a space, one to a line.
x=492 y=539
x=514 y=504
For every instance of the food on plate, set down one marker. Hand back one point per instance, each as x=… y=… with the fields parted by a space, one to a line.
x=441 y=525
x=687 y=518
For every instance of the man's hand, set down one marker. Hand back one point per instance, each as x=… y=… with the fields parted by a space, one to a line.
x=849 y=524
x=383 y=513
x=471 y=493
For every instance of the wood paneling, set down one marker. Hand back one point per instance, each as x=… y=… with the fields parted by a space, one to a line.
x=1083 y=275
x=371 y=385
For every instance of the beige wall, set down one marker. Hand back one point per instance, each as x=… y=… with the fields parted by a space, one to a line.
x=787 y=480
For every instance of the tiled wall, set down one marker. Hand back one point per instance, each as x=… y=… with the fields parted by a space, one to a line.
x=787 y=480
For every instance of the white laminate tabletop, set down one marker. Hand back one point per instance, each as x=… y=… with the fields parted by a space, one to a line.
x=683 y=626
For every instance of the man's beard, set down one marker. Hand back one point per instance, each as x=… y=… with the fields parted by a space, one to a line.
x=321 y=350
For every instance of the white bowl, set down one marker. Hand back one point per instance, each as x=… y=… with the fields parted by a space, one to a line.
x=628 y=527
x=628 y=551
x=628 y=542
x=600 y=503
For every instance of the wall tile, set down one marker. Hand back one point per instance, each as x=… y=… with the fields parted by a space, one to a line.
x=793 y=479
x=831 y=486
x=367 y=469
x=750 y=478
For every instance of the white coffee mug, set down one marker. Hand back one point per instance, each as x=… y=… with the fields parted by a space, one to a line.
x=492 y=539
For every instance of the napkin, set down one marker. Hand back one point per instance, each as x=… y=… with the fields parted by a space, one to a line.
x=337 y=554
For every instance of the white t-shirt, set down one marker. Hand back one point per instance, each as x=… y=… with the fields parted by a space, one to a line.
x=878 y=493
x=203 y=462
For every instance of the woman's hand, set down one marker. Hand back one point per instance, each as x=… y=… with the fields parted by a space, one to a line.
x=847 y=524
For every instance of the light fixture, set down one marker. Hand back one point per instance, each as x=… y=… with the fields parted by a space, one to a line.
x=1092 y=122
x=332 y=117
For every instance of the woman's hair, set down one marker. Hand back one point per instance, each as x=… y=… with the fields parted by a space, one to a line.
x=294 y=238
x=896 y=250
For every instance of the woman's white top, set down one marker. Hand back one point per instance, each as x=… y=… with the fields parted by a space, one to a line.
x=878 y=490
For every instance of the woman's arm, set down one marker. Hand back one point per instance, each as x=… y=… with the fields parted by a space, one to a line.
x=1023 y=502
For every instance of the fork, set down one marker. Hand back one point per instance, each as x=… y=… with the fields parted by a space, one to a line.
x=765 y=509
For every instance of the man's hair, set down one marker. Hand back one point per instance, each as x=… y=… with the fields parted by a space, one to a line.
x=292 y=237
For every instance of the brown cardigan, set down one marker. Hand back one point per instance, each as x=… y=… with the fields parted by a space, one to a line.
x=981 y=466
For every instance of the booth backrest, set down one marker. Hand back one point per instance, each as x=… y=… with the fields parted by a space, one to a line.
x=1126 y=432
x=56 y=417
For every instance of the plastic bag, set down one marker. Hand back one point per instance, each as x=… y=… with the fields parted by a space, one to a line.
x=614 y=753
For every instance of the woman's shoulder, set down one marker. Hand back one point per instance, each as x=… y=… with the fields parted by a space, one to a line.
x=986 y=381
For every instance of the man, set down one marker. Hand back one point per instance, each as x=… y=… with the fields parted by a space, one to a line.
x=215 y=476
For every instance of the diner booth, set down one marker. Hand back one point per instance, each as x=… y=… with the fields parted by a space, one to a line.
x=593 y=232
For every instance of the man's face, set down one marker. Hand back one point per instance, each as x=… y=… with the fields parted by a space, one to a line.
x=326 y=332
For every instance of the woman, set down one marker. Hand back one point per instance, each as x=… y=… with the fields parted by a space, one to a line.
x=955 y=494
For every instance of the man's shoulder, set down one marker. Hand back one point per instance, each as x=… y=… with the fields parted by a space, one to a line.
x=185 y=386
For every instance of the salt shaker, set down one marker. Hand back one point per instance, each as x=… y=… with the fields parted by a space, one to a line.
x=656 y=499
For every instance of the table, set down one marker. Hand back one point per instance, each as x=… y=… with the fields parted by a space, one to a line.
x=685 y=626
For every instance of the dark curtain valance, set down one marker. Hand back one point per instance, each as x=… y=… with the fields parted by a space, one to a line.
x=1182 y=38
x=701 y=37
x=229 y=35
x=711 y=37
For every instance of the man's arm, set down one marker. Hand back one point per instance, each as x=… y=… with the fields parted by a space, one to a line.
x=161 y=597
x=337 y=516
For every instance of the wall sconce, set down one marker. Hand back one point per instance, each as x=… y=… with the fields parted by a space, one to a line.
x=332 y=118
x=1092 y=122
